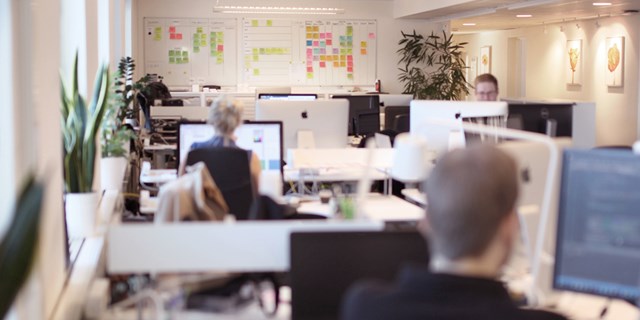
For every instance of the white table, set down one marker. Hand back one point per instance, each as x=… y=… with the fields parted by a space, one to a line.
x=377 y=207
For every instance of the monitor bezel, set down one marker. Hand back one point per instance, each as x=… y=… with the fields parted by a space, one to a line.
x=264 y=94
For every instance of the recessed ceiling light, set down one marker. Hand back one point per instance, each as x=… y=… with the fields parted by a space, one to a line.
x=470 y=24
x=601 y=4
x=524 y=16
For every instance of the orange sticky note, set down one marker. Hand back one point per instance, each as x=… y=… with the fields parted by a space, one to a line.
x=363 y=51
x=336 y=64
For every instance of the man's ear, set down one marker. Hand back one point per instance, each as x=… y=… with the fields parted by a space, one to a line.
x=424 y=226
x=511 y=225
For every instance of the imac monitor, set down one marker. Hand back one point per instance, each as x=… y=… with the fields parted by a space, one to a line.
x=325 y=264
x=598 y=235
x=438 y=136
x=552 y=119
x=364 y=113
x=262 y=137
x=288 y=96
x=326 y=119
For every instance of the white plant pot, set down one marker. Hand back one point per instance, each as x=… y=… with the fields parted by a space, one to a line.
x=112 y=171
x=80 y=214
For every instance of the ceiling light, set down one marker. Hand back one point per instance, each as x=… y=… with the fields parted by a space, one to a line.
x=601 y=4
x=469 y=24
x=530 y=3
x=276 y=10
x=524 y=16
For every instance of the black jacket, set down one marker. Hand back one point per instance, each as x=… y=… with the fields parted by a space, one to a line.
x=421 y=294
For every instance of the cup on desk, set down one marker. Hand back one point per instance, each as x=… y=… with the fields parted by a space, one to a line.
x=325 y=196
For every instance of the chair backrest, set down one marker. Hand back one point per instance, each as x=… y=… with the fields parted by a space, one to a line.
x=401 y=123
x=390 y=113
x=229 y=168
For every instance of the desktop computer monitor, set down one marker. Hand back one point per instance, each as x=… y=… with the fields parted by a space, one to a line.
x=326 y=119
x=325 y=264
x=598 y=235
x=288 y=96
x=438 y=136
x=364 y=113
x=553 y=119
x=264 y=138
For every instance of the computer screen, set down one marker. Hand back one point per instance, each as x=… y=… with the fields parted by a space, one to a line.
x=288 y=96
x=262 y=137
x=326 y=119
x=325 y=264
x=553 y=119
x=598 y=236
x=364 y=113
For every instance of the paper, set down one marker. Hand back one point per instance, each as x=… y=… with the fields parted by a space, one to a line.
x=372 y=35
x=269 y=23
x=254 y=23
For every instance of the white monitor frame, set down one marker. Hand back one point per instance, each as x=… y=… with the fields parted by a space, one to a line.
x=327 y=119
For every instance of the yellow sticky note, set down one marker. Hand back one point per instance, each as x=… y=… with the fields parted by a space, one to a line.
x=203 y=43
x=247 y=65
x=309 y=35
x=255 y=57
x=316 y=29
x=309 y=75
x=254 y=23
x=220 y=60
x=343 y=64
x=255 y=50
x=316 y=36
x=336 y=57
x=323 y=58
x=246 y=58
x=343 y=57
x=256 y=72
x=329 y=58
x=309 y=29
x=350 y=76
x=199 y=29
x=363 y=44
x=269 y=23
x=268 y=50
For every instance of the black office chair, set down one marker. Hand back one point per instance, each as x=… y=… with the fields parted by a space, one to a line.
x=230 y=169
x=401 y=123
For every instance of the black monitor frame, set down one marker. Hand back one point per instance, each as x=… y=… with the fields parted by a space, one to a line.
x=536 y=117
x=360 y=107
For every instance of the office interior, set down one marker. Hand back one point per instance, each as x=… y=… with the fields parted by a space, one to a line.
x=40 y=38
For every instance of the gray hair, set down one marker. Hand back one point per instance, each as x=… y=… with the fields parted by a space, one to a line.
x=225 y=115
x=469 y=193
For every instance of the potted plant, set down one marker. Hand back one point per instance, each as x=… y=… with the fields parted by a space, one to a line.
x=126 y=90
x=80 y=126
x=115 y=141
x=432 y=67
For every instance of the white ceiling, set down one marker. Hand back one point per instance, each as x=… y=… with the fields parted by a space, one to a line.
x=501 y=14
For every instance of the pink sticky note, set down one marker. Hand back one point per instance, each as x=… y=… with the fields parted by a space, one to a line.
x=323 y=64
x=309 y=62
x=349 y=69
x=316 y=43
x=178 y=36
x=172 y=29
x=172 y=36
x=372 y=35
x=309 y=69
x=350 y=58
x=329 y=42
x=309 y=51
x=350 y=63
x=220 y=47
x=329 y=35
x=322 y=36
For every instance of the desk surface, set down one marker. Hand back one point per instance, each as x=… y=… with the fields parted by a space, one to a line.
x=377 y=207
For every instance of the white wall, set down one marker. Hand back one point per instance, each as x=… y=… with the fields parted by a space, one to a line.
x=545 y=54
x=388 y=33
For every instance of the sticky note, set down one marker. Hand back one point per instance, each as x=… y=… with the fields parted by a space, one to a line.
x=363 y=51
x=322 y=35
x=203 y=36
x=309 y=43
x=256 y=72
x=323 y=58
x=343 y=57
x=329 y=58
x=157 y=37
x=329 y=35
x=185 y=60
x=309 y=75
x=363 y=44
x=220 y=34
x=267 y=50
x=349 y=43
x=349 y=51
x=350 y=76
x=172 y=36
x=309 y=51
x=343 y=51
x=343 y=39
x=172 y=29
x=372 y=35
x=309 y=29
x=323 y=64
x=254 y=23
x=349 y=58
x=269 y=23
x=336 y=57
x=322 y=44
x=220 y=60
x=316 y=36
x=185 y=53
x=309 y=35
x=310 y=62
x=220 y=47
x=323 y=51
x=349 y=63
x=214 y=53
x=343 y=64
x=316 y=43
x=262 y=51
x=349 y=69
x=199 y=29
x=179 y=60
x=255 y=50
x=158 y=30
x=178 y=36
x=172 y=60
x=336 y=51
x=316 y=58
x=203 y=43
x=329 y=42
x=255 y=57
x=336 y=64
x=316 y=29
x=309 y=69
x=172 y=53
x=196 y=49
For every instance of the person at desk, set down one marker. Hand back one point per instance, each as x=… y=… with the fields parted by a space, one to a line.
x=486 y=87
x=225 y=116
x=471 y=226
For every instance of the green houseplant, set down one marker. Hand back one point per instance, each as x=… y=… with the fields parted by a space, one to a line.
x=18 y=247
x=80 y=128
x=432 y=67
x=126 y=89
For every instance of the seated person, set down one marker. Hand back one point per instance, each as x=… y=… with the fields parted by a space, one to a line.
x=471 y=226
x=225 y=116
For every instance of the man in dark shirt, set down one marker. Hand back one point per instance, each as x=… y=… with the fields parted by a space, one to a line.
x=471 y=226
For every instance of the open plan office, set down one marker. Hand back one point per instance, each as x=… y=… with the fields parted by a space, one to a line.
x=320 y=159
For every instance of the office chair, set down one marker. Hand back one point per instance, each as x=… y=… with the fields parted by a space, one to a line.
x=390 y=113
x=401 y=123
x=229 y=168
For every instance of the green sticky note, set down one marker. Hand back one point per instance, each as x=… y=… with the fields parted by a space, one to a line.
x=254 y=23
x=185 y=53
x=309 y=75
x=185 y=60
x=349 y=51
x=255 y=57
x=256 y=72
x=214 y=53
x=199 y=29
x=268 y=50
x=220 y=59
x=196 y=49
x=203 y=43
x=172 y=53
x=269 y=23
x=157 y=37
x=179 y=60
x=203 y=36
x=219 y=33
x=350 y=76
x=255 y=50
x=262 y=51
x=172 y=60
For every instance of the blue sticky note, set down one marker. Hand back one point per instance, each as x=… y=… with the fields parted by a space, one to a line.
x=309 y=43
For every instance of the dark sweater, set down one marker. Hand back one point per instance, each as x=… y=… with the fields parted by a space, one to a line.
x=421 y=294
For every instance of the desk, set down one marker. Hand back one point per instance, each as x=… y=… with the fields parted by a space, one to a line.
x=159 y=152
x=415 y=196
x=377 y=207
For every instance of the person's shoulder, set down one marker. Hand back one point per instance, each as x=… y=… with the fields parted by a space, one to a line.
x=535 y=314
x=360 y=298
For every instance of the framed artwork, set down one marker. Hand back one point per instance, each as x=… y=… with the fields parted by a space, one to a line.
x=615 y=61
x=485 y=60
x=573 y=58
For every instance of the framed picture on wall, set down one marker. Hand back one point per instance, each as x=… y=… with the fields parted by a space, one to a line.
x=573 y=58
x=472 y=69
x=485 y=60
x=615 y=61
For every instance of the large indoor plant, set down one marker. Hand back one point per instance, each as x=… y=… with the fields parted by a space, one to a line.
x=432 y=67
x=80 y=128
x=126 y=89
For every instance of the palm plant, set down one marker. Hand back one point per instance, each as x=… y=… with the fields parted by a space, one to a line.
x=432 y=66
x=80 y=126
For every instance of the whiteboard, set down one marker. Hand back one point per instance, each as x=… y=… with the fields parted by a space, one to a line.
x=187 y=51
x=309 y=52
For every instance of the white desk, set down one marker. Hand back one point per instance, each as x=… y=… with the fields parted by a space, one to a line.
x=158 y=176
x=377 y=207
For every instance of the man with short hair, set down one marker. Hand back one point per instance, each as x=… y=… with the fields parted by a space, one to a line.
x=471 y=227
x=486 y=86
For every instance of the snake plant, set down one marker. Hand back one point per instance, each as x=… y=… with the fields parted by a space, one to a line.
x=80 y=129
x=18 y=247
